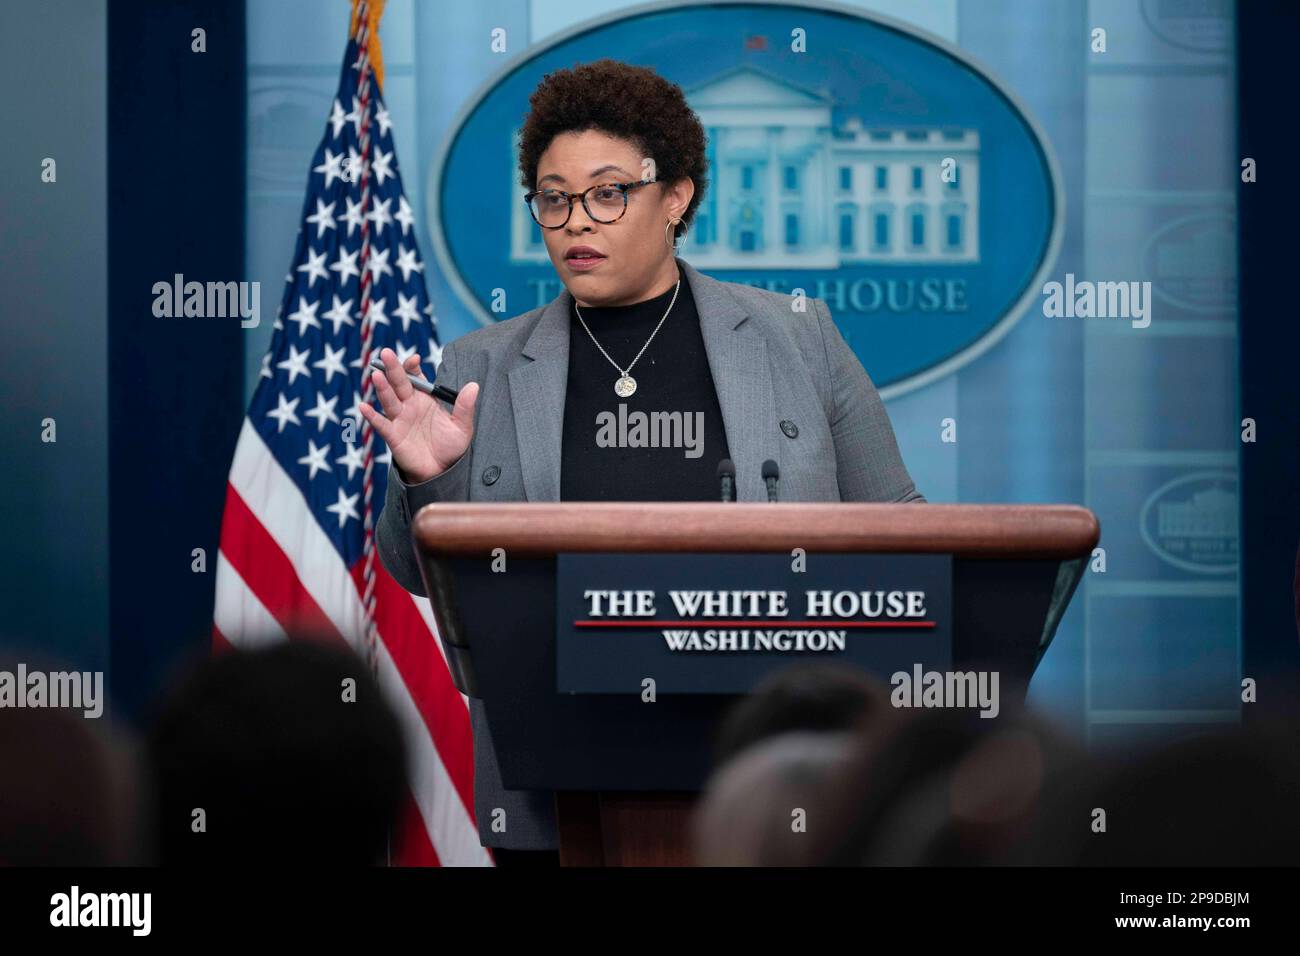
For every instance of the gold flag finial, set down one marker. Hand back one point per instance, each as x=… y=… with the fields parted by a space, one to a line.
x=374 y=10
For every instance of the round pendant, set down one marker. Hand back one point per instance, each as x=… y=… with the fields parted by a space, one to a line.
x=625 y=386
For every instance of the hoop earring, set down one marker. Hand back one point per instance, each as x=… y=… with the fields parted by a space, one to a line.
x=672 y=244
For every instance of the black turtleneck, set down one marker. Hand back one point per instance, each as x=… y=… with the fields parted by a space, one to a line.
x=604 y=455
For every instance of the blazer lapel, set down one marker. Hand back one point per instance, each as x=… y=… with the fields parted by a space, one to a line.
x=537 y=392
x=738 y=358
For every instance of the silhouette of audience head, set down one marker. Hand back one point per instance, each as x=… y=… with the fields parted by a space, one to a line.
x=757 y=807
x=68 y=793
x=947 y=787
x=287 y=753
x=804 y=697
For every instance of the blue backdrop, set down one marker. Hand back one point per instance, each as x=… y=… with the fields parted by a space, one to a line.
x=1141 y=425
x=1138 y=424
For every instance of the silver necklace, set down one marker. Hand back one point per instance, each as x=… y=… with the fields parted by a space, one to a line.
x=625 y=384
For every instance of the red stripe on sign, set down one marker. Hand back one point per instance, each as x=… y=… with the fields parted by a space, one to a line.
x=269 y=574
x=698 y=623
x=410 y=644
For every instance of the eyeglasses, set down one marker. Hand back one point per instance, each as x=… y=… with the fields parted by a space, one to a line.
x=551 y=208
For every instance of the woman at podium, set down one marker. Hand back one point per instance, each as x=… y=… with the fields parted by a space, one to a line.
x=639 y=378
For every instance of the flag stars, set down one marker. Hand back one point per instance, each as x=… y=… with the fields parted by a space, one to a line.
x=337 y=118
x=332 y=362
x=284 y=413
x=380 y=215
x=354 y=217
x=353 y=411
x=381 y=166
x=378 y=264
x=407 y=262
x=374 y=222
x=354 y=117
x=295 y=365
x=323 y=217
x=346 y=265
x=356 y=165
x=315 y=459
x=354 y=458
x=340 y=314
x=345 y=507
x=305 y=316
x=331 y=167
x=407 y=310
x=376 y=312
x=314 y=266
x=324 y=411
x=404 y=215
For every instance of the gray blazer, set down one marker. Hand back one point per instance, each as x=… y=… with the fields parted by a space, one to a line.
x=773 y=367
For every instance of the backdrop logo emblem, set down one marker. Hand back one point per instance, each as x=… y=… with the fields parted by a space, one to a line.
x=1191 y=522
x=884 y=172
x=1202 y=26
x=1192 y=262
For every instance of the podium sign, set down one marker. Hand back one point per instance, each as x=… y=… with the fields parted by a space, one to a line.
x=719 y=623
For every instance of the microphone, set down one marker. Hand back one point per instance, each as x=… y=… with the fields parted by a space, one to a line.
x=771 y=475
x=727 y=477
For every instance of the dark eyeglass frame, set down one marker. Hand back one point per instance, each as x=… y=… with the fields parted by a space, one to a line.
x=624 y=187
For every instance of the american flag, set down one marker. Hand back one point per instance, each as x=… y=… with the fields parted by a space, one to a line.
x=307 y=482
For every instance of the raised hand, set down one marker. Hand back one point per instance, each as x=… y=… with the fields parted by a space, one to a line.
x=424 y=438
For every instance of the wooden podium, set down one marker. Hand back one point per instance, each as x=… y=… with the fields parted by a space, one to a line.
x=625 y=775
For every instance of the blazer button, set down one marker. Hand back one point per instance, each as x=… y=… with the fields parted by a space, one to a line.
x=790 y=428
x=490 y=474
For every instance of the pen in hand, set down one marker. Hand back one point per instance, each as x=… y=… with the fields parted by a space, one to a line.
x=437 y=391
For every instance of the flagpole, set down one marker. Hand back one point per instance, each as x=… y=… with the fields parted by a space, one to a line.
x=362 y=37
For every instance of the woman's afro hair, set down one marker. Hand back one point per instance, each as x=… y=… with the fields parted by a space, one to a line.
x=630 y=102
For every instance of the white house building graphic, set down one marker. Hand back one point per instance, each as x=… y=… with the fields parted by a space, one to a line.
x=787 y=190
